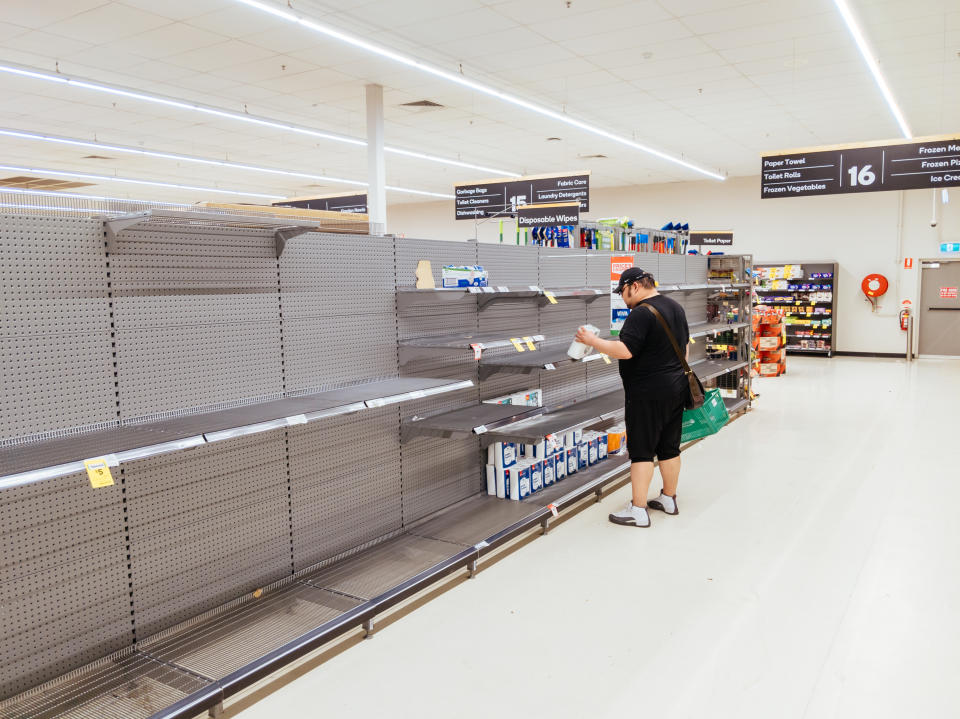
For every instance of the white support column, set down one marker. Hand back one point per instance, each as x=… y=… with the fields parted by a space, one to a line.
x=376 y=169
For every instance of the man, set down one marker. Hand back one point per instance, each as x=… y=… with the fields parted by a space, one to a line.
x=655 y=388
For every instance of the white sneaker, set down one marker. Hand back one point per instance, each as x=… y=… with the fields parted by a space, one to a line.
x=631 y=516
x=665 y=503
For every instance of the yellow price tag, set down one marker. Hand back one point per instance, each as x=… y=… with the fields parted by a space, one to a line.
x=550 y=296
x=98 y=472
x=529 y=341
x=606 y=359
x=516 y=344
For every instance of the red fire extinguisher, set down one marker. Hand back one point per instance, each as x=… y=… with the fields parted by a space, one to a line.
x=905 y=315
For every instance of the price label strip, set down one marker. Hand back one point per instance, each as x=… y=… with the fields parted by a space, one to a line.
x=529 y=340
x=98 y=472
x=516 y=344
x=477 y=348
x=550 y=296
x=553 y=510
x=606 y=359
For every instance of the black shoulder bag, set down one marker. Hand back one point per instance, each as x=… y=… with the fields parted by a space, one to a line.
x=695 y=390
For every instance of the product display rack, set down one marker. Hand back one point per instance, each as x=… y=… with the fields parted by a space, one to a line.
x=295 y=500
x=804 y=326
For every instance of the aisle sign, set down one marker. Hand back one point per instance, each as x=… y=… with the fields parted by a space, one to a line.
x=948 y=293
x=707 y=237
x=558 y=214
x=866 y=167
x=618 y=308
x=489 y=198
x=350 y=202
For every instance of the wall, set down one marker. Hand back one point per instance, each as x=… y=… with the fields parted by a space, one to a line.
x=859 y=232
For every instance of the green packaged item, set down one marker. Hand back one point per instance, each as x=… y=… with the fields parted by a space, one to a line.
x=705 y=420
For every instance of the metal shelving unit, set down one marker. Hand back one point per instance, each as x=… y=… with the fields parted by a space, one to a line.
x=577 y=415
x=38 y=461
x=800 y=298
x=408 y=297
x=307 y=551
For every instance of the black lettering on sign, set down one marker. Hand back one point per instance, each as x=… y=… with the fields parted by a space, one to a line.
x=909 y=165
x=353 y=204
x=550 y=215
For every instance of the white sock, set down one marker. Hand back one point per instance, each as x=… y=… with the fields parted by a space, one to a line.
x=668 y=502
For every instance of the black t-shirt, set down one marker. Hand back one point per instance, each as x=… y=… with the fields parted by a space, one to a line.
x=654 y=368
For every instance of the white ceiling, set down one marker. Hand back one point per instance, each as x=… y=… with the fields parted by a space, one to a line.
x=715 y=81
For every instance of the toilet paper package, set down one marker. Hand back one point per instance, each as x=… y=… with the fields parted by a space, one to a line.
x=491 y=480
x=520 y=488
x=573 y=460
x=583 y=455
x=554 y=443
x=549 y=470
x=592 y=450
x=602 y=448
x=499 y=480
x=536 y=476
x=560 y=466
x=502 y=454
x=535 y=451
x=578 y=350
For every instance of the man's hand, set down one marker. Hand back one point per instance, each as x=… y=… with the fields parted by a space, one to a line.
x=587 y=337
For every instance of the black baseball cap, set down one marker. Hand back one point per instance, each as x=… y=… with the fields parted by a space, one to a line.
x=631 y=275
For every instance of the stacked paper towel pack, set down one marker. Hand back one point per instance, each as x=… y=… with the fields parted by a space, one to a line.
x=515 y=471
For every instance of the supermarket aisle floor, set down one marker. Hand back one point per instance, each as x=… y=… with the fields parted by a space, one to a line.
x=812 y=572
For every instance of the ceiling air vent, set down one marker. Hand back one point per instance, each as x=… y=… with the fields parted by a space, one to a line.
x=553 y=139
x=97 y=157
x=421 y=103
x=592 y=157
x=41 y=183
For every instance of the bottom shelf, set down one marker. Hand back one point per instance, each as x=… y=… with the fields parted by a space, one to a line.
x=735 y=405
x=195 y=666
x=815 y=350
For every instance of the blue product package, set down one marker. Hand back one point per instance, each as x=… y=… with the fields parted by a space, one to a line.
x=583 y=455
x=592 y=451
x=602 y=446
x=536 y=476
x=573 y=463
x=502 y=454
x=549 y=471
x=521 y=487
x=560 y=466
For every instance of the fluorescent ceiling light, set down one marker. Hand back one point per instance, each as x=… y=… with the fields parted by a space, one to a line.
x=871 y=61
x=153 y=183
x=242 y=117
x=21 y=134
x=329 y=31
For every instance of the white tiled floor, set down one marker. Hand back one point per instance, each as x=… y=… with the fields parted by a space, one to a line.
x=814 y=571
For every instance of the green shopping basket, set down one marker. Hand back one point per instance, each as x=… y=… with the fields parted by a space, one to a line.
x=706 y=419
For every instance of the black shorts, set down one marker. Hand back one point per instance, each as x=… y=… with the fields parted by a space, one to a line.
x=654 y=425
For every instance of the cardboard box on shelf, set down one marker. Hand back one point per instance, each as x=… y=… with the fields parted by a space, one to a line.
x=768 y=343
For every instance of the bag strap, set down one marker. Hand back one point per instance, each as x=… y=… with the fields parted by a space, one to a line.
x=673 y=340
